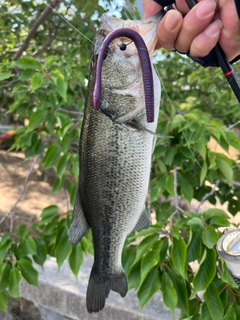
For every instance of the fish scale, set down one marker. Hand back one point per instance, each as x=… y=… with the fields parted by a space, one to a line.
x=115 y=160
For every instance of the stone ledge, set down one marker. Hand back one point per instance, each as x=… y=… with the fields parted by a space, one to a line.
x=61 y=296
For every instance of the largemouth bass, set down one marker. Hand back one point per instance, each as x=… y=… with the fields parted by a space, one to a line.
x=116 y=145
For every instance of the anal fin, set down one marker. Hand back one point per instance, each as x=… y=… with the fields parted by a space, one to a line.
x=79 y=225
x=144 y=221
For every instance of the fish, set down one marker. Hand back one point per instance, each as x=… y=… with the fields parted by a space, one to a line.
x=115 y=149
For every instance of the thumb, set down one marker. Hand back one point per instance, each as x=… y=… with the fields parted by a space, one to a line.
x=150 y=8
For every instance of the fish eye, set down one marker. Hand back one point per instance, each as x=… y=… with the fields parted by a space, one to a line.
x=122 y=46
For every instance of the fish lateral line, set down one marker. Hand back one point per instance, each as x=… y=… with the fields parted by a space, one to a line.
x=145 y=64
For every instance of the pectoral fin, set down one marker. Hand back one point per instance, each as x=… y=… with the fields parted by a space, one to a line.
x=79 y=225
x=144 y=221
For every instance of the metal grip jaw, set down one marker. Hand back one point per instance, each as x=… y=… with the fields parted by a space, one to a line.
x=164 y=3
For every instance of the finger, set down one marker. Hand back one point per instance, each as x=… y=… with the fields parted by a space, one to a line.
x=168 y=29
x=182 y=6
x=197 y=19
x=150 y=8
x=206 y=41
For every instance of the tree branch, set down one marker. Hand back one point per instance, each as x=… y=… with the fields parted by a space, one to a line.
x=35 y=27
x=44 y=46
x=176 y=202
x=207 y=195
x=10 y=213
x=233 y=125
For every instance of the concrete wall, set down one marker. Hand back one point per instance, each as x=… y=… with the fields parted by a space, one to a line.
x=61 y=296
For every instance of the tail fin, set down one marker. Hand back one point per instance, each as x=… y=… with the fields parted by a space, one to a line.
x=99 y=287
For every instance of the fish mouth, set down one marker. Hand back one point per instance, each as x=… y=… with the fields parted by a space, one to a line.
x=146 y=28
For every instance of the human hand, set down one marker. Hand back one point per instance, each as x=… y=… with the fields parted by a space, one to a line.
x=202 y=27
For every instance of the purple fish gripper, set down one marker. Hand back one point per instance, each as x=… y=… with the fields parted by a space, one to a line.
x=144 y=62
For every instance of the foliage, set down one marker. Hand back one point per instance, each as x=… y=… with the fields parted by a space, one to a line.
x=47 y=86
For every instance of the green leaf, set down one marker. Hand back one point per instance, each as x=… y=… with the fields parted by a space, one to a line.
x=214 y=213
x=5 y=75
x=51 y=156
x=170 y=184
x=29 y=245
x=134 y=276
x=180 y=286
x=206 y=315
x=62 y=250
x=206 y=271
x=230 y=314
x=3 y=301
x=219 y=222
x=169 y=293
x=194 y=306
x=178 y=255
x=203 y=173
x=36 y=119
x=176 y=122
x=161 y=166
x=144 y=245
x=62 y=164
x=28 y=272
x=61 y=86
x=49 y=213
x=4 y=249
x=4 y=276
x=58 y=185
x=195 y=223
x=175 y=232
x=152 y=230
x=157 y=187
x=128 y=257
x=226 y=277
x=150 y=285
x=14 y=279
x=164 y=250
x=226 y=169
x=169 y=156
x=201 y=147
x=197 y=317
x=28 y=62
x=149 y=260
x=213 y=302
x=37 y=81
x=197 y=134
x=195 y=244
x=23 y=232
x=237 y=310
x=209 y=237
x=187 y=189
x=5 y=237
x=76 y=259
x=87 y=244
x=41 y=255
x=72 y=190
x=26 y=74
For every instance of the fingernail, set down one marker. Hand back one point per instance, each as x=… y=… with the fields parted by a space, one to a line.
x=171 y=20
x=214 y=28
x=205 y=9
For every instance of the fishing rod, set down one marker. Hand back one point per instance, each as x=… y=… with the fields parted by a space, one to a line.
x=217 y=51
